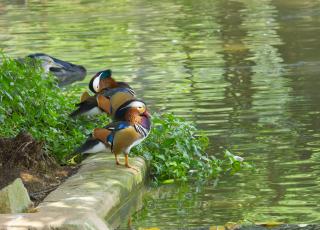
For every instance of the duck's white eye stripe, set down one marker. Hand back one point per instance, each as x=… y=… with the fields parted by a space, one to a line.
x=96 y=83
x=137 y=104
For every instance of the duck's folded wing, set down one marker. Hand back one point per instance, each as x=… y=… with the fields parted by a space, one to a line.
x=87 y=107
x=91 y=145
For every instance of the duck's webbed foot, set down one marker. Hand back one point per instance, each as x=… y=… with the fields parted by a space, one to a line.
x=126 y=163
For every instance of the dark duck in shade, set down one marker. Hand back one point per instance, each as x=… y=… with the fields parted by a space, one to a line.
x=65 y=72
x=107 y=101
x=121 y=136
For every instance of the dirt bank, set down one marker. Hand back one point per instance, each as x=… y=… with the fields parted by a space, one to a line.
x=24 y=157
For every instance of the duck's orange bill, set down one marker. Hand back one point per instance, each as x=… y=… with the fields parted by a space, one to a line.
x=147 y=113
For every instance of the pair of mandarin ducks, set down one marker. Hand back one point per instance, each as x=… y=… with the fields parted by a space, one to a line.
x=131 y=120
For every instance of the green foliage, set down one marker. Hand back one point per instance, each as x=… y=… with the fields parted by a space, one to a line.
x=175 y=152
x=30 y=100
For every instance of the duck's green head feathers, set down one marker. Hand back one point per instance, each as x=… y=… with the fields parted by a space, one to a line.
x=105 y=74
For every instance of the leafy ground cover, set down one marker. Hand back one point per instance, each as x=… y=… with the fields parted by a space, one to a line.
x=176 y=150
x=31 y=101
x=36 y=132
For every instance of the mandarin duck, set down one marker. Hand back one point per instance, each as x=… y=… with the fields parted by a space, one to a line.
x=107 y=101
x=109 y=95
x=121 y=136
x=103 y=80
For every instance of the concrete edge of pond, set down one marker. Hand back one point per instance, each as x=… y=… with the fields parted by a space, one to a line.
x=84 y=199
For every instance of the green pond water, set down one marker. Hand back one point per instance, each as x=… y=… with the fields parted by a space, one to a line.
x=245 y=71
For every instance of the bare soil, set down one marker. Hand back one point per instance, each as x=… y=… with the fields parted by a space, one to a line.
x=24 y=157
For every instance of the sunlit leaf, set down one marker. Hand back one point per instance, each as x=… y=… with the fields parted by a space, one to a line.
x=169 y=181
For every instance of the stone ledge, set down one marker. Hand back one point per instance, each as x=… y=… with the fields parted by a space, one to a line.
x=85 y=198
x=14 y=198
